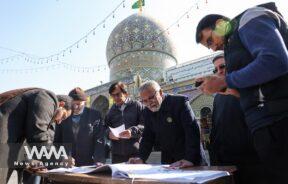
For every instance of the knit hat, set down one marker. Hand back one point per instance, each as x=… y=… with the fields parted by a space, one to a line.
x=78 y=94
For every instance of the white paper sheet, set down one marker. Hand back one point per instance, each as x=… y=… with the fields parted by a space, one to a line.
x=145 y=171
x=116 y=131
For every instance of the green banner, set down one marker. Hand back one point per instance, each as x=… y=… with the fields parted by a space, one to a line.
x=138 y=4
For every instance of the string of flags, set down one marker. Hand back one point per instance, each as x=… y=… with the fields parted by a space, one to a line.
x=68 y=50
x=176 y=22
x=54 y=58
x=73 y=68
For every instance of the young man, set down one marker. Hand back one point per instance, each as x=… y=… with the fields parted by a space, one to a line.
x=169 y=122
x=128 y=112
x=84 y=129
x=28 y=115
x=255 y=46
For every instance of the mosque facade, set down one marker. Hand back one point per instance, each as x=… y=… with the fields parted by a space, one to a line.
x=138 y=50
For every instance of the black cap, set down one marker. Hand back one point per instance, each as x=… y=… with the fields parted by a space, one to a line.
x=78 y=94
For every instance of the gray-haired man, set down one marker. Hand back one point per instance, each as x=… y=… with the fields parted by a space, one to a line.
x=169 y=121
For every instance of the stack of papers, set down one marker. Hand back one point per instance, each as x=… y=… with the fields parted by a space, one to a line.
x=146 y=171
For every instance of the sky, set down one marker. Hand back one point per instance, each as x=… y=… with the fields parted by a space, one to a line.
x=37 y=29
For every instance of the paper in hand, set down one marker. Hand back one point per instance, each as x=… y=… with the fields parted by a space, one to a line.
x=116 y=131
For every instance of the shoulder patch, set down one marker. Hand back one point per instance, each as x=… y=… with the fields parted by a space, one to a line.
x=255 y=12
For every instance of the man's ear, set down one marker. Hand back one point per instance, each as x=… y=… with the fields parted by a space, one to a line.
x=61 y=104
x=161 y=92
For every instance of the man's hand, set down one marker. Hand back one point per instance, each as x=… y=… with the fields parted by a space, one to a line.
x=70 y=161
x=135 y=160
x=36 y=166
x=98 y=164
x=181 y=164
x=113 y=137
x=212 y=84
x=126 y=134
x=230 y=91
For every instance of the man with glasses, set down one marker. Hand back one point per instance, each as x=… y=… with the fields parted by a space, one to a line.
x=255 y=45
x=128 y=112
x=170 y=123
x=230 y=138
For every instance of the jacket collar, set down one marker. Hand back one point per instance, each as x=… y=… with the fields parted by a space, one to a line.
x=127 y=102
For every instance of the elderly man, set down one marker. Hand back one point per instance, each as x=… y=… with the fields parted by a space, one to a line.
x=169 y=122
x=128 y=112
x=28 y=115
x=255 y=46
x=84 y=129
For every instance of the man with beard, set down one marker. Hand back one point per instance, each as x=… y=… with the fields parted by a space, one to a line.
x=85 y=130
x=169 y=122
x=255 y=47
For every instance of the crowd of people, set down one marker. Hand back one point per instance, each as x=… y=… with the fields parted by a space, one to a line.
x=249 y=117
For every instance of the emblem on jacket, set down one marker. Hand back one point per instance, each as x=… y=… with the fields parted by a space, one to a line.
x=169 y=120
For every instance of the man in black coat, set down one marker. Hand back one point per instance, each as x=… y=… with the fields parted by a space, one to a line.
x=28 y=115
x=171 y=124
x=85 y=130
x=128 y=112
x=230 y=139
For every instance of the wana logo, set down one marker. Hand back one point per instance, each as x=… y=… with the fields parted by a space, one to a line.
x=44 y=152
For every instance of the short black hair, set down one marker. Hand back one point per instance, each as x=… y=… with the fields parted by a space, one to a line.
x=119 y=84
x=217 y=57
x=67 y=99
x=208 y=21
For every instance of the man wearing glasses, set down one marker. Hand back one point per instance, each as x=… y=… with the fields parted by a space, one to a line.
x=128 y=112
x=255 y=45
x=230 y=138
x=170 y=123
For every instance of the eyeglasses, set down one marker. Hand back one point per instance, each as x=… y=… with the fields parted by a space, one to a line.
x=149 y=98
x=222 y=66
x=209 y=41
x=116 y=94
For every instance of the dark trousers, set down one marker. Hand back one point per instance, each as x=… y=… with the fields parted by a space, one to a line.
x=271 y=144
x=121 y=158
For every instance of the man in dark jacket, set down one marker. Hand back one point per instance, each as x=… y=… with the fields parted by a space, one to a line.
x=255 y=46
x=84 y=129
x=230 y=139
x=28 y=115
x=169 y=122
x=128 y=112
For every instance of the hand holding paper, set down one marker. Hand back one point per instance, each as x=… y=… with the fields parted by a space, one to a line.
x=126 y=134
x=116 y=131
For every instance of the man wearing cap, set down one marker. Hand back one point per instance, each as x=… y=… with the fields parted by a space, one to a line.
x=84 y=129
x=28 y=115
